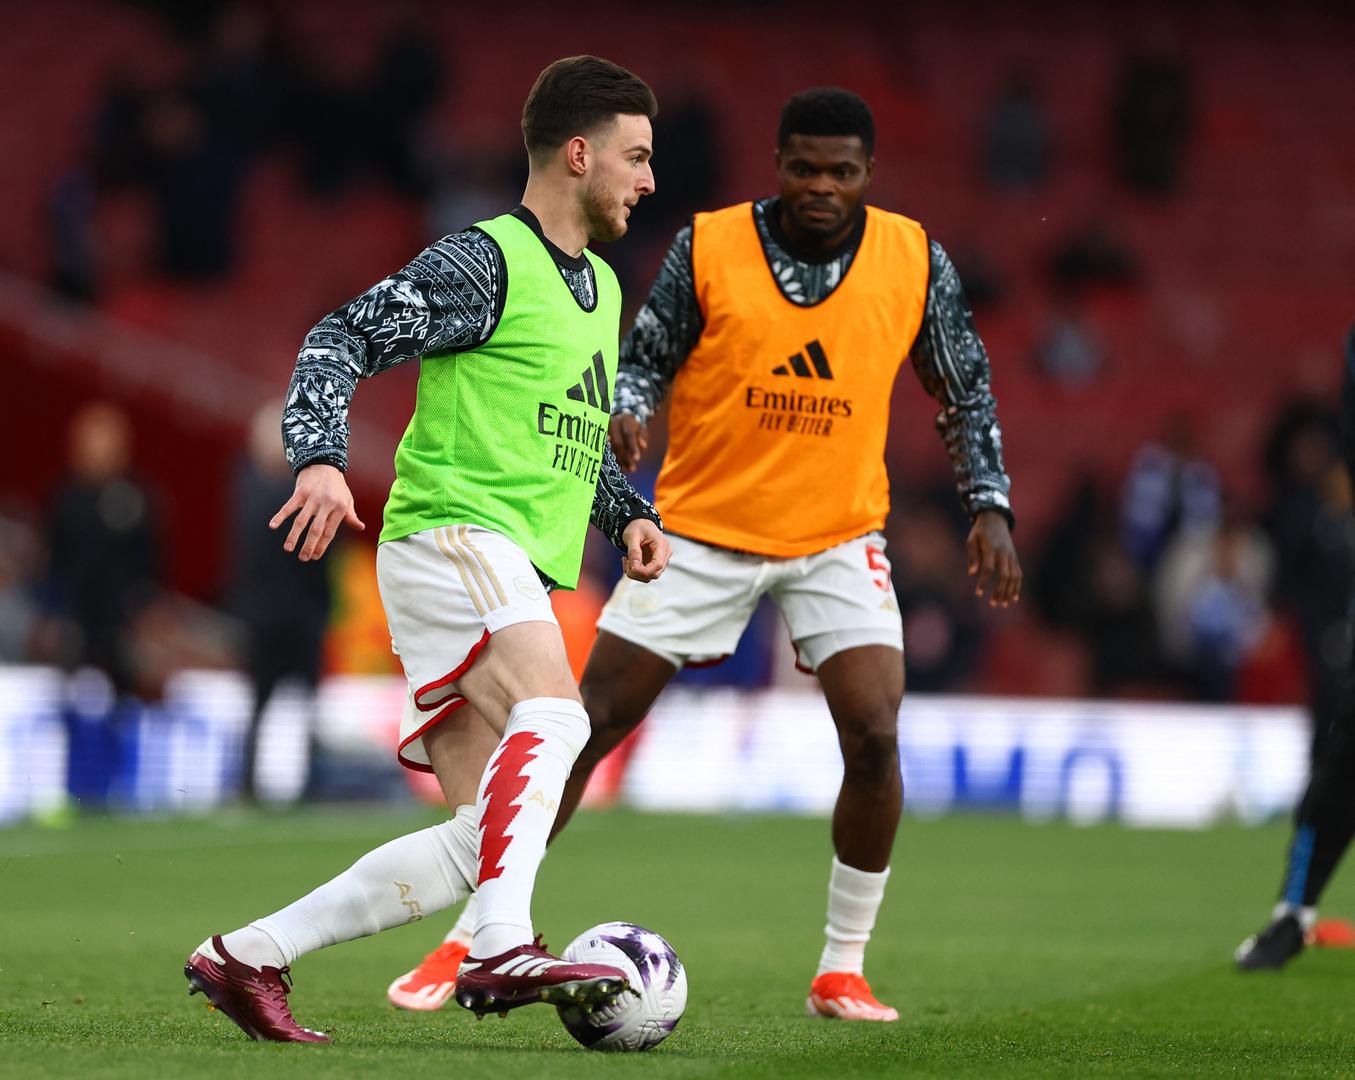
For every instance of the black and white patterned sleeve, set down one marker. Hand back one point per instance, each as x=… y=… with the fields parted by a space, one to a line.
x=616 y=503
x=666 y=330
x=448 y=299
x=952 y=364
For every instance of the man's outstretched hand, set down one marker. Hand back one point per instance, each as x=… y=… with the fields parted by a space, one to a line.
x=321 y=501
x=992 y=559
x=647 y=550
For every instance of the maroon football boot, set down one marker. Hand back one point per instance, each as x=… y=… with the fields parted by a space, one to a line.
x=255 y=998
x=528 y=974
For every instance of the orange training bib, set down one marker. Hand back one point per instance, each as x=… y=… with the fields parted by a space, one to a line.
x=778 y=418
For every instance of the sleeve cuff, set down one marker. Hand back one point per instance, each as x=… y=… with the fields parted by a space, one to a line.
x=994 y=501
x=335 y=460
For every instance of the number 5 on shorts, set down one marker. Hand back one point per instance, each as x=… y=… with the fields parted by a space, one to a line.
x=880 y=565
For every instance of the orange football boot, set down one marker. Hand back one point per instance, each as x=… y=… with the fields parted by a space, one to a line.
x=1332 y=934
x=429 y=986
x=845 y=995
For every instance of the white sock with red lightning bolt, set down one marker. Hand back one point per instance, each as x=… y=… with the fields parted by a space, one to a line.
x=519 y=796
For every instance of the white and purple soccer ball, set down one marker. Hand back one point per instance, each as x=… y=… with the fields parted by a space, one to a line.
x=646 y=1014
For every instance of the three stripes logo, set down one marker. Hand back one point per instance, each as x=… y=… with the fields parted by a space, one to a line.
x=592 y=387
x=796 y=408
x=796 y=364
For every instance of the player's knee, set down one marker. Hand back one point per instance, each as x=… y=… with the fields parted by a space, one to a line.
x=870 y=758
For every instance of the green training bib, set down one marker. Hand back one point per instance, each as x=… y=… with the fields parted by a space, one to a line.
x=510 y=435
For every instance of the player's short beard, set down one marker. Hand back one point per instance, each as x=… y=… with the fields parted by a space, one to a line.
x=602 y=213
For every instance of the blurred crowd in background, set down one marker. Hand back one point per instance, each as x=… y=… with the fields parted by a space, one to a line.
x=232 y=171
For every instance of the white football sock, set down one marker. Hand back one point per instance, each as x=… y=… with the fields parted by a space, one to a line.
x=464 y=928
x=1307 y=916
x=854 y=898
x=399 y=882
x=519 y=796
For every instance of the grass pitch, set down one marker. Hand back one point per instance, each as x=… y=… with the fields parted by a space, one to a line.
x=1010 y=950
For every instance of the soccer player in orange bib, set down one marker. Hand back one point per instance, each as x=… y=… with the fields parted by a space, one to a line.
x=777 y=329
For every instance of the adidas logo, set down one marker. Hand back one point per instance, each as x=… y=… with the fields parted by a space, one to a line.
x=592 y=388
x=798 y=366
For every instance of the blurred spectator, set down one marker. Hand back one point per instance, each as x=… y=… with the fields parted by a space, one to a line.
x=1060 y=577
x=1092 y=255
x=102 y=538
x=115 y=157
x=282 y=602
x=1153 y=119
x=195 y=181
x=1310 y=524
x=1017 y=145
x=241 y=85
x=983 y=284
x=19 y=556
x=943 y=634
x=1210 y=591
x=688 y=129
x=1119 y=625
x=690 y=179
x=117 y=138
x=1168 y=488
x=409 y=79
x=70 y=222
x=477 y=187
x=1068 y=351
x=325 y=99
x=1083 y=580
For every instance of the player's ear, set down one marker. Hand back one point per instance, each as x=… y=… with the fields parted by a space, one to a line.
x=578 y=154
x=870 y=171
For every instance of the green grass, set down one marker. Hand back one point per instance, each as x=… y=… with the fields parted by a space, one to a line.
x=1010 y=949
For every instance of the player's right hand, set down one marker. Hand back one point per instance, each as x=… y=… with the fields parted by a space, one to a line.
x=321 y=501
x=629 y=440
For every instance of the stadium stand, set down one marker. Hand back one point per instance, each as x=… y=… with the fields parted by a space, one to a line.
x=1243 y=289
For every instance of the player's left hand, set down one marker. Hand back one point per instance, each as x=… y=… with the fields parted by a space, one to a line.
x=992 y=560
x=647 y=550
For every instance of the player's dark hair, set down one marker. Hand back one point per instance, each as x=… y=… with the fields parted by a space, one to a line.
x=827 y=110
x=578 y=95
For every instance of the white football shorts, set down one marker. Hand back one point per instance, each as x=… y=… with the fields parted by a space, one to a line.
x=697 y=610
x=445 y=591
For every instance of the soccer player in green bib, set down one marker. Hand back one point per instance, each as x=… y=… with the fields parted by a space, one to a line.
x=503 y=465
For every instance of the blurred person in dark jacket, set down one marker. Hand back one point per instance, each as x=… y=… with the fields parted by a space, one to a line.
x=1324 y=822
x=195 y=179
x=1086 y=581
x=240 y=82
x=409 y=78
x=1017 y=139
x=941 y=619
x=282 y=602
x=1153 y=119
x=102 y=535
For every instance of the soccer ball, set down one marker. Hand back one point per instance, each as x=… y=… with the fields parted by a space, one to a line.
x=646 y=1014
